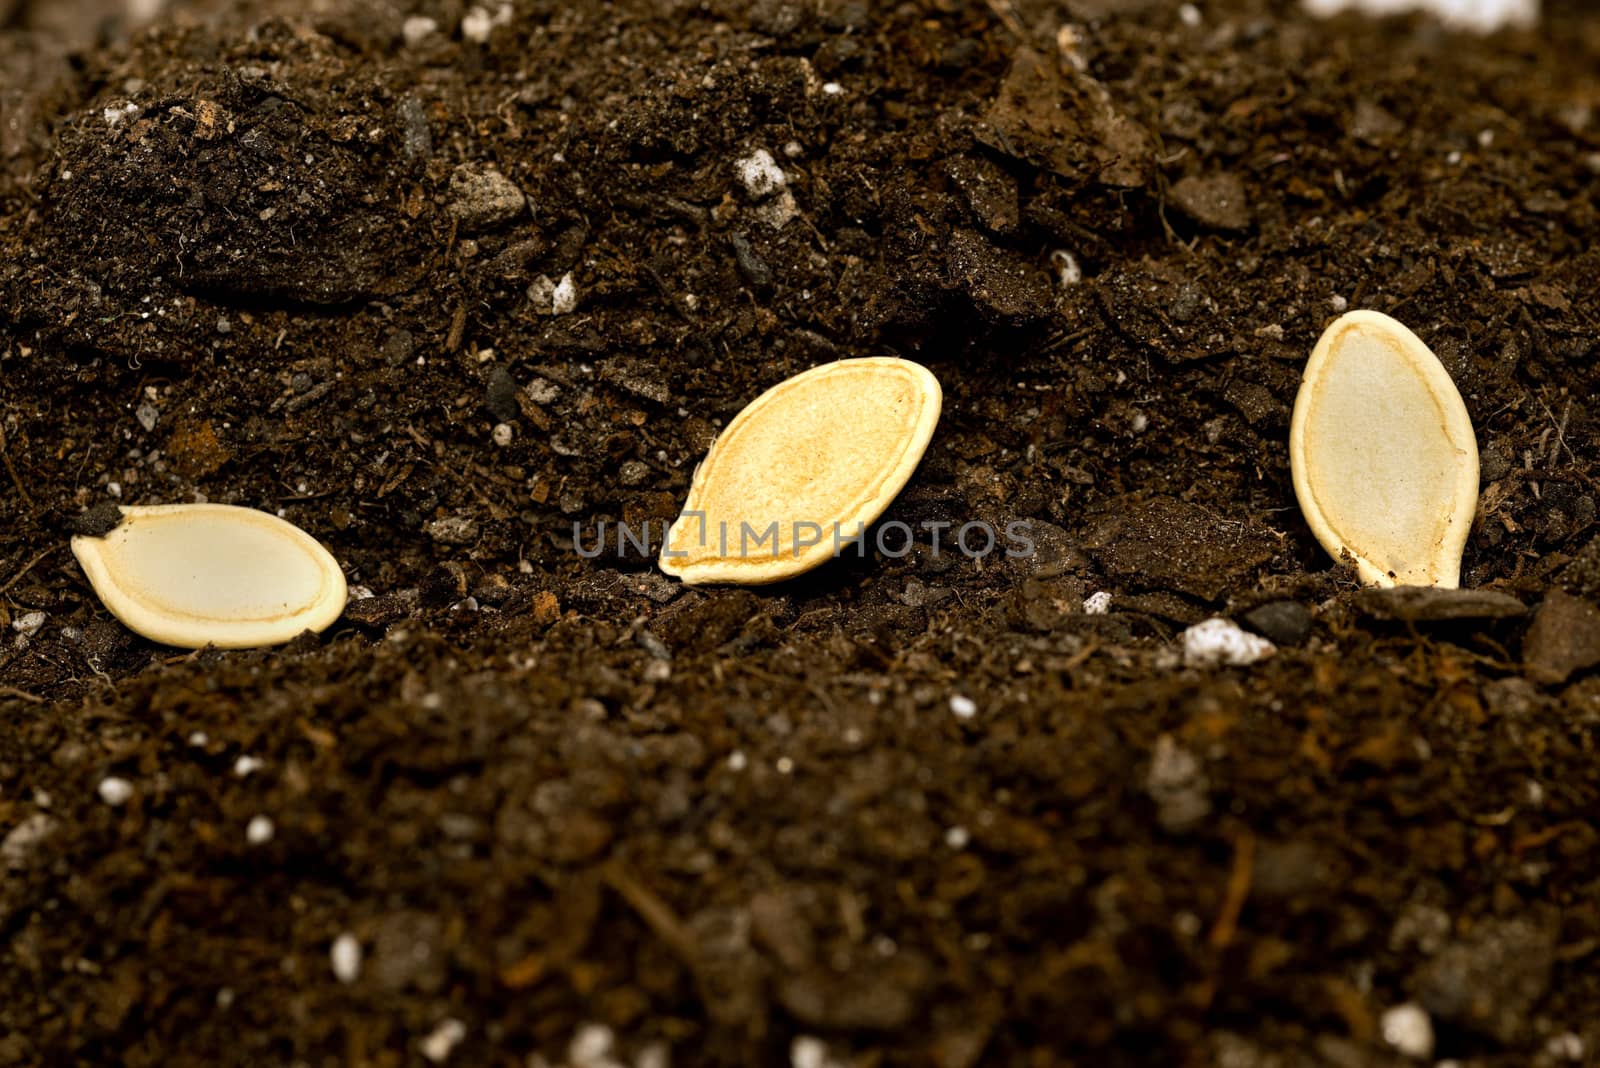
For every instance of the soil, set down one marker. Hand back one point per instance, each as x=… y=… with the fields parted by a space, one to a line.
x=570 y=811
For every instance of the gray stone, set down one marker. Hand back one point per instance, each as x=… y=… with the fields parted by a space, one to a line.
x=1432 y=604
x=454 y=530
x=1216 y=201
x=1177 y=784
x=1490 y=981
x=1563 y=640
x=1281 y=622
x=407 y=953
x=482 y=197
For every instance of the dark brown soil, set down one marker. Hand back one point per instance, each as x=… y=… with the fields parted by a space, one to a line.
x=253 y=254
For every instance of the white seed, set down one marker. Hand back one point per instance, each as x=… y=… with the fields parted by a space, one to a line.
x=963 y=707
x=502 y=434
x=1097 y=604
x=957 y=837
x=210 y=574
x=1408 y=1029
x=115 y=791
x=1383 y=455
x=345 y=956
x=259 y=831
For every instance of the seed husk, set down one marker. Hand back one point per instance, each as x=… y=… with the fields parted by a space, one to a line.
x=193 y=575
x=819 y=455
x=1383 y=454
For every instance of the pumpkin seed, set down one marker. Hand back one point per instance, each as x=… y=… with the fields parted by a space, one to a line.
x=800 y=472
x=1384 y=459
x=192 y=575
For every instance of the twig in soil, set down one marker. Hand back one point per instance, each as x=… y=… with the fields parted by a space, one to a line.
x=1008 y=18
x=1244 y=862
x=655 y=912
x=5 y=454
x=27 y=567
x=458 y=326
x=1561 y=432
x=21 y=695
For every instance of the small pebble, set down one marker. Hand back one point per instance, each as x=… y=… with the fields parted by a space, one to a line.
x=1221 y=642
x=591 y=1046
x=1408 y=1029
x=565 y=297
x=1068 y=273
x=443 y=1040
x=482 y=197
x=502 y=434
x=18 y=846
x=1177 y=783
x=1097 y=604
x=28 y=623
x=115 y=791
x=550 y=297
x=418 y=28
x=475 y=26
x=259 y=831
x=1281 y=622
x=808 y=1052
x=246 y=766
x=963 y=707
x=760 y=175
x=147 y=414
x=454 y=530
x=1565 y=1047
x=957 y=837
x=1216 y=201
x=345 y=956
